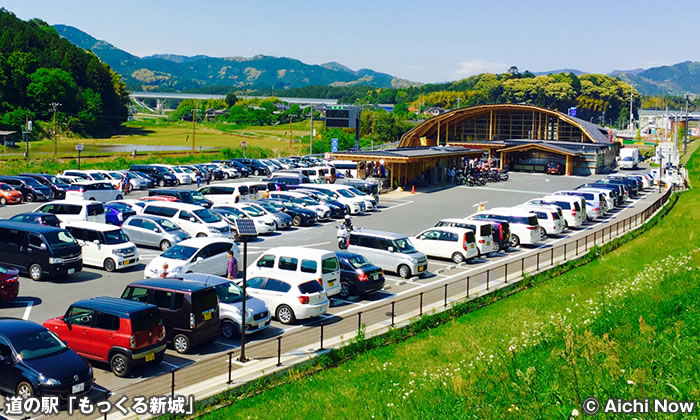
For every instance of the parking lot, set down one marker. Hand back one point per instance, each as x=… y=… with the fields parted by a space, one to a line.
x=398 y=212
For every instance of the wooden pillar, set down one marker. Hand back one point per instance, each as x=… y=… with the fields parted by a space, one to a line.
x=490 y=125
x=569 y=164
x=503 y=157
x=391 y=176
x=437 y=142
x=532 y=131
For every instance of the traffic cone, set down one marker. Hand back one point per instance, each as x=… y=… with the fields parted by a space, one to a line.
x=413 y=189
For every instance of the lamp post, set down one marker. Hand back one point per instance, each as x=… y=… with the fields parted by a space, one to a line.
x=26 y=129
x=246 y=230
x=311 y=133
x=54 y=107
x=661 y=166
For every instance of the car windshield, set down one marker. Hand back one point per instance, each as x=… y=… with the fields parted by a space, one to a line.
x=179 y=252
x=162 y=170
x=356 y=191
x=55 y=180
x=403 y=246
x=31 y=181
x=37 y=344
x=358 y=261
x=167 y=225
x=98 y=177
x=229 y=293
x=6 y=187
x=59 y=238
x=308 y=200
x=115 y=175
x=176 y=169
x=252 y=211
x=197 y=195
x=207 y=216
x=271 y=206
x=115 y=237
x=345 y=193
x=119 y=206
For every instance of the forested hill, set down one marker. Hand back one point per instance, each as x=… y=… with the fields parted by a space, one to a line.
x=38 y=68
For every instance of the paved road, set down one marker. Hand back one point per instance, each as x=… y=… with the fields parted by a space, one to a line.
x=404 y=213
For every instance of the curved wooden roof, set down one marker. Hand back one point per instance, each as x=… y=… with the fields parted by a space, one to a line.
x=429 y=128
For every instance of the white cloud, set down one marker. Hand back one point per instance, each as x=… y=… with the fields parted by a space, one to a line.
x=472 y=67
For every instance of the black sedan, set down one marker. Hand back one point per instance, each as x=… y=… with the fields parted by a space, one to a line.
x=37 y=218
x=358 y=276
x=35 y=362
x=300 y=216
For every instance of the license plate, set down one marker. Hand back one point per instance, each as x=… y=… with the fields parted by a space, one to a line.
x=471 y=245
x=150 y=357
x=71 y=270
x=127 y=262
x=421 y=268
x=207 y=316
x=78 y=388
x=488 y=243
x=375 y=277
x=331 y=283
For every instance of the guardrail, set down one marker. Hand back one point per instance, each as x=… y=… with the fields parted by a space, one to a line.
x=412 y=306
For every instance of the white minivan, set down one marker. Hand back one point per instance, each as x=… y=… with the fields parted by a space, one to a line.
x=524 y=227
x=75 y=210
x=302 y=263
x=574 y=215
x=548 y=216
x=195 y=220
x=390 y=251
x=104 y=245
x=596 y=205
x=455 y=243
x=225 y=193
x=102 y=191
x=483 y=232
x=195 y=255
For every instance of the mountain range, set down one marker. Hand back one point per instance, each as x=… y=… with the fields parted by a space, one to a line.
x=171 y=72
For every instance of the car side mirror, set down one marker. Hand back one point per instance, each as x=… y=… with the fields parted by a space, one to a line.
x=96 y=242
x=198 y=259
x=43 y=246
x=391 y=249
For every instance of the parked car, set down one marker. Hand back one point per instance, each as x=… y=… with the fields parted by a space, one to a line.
x=73 y=210
x=182 y=177
x=369 y=188
x=195 y=220
x=524 y=227
x=323 y=212
x=135 y=205
x=58 y=187
x=303 y=263
x=195 y=255
x=455 y=243
x=153 y=231
x=136 y=181
x=9 y=283
x=9 y=195
x=594 y=202
x=225 y=193
x=93 y=191
x=263 y=223
x=117 y=213
x=555 y=168
x=149 y=181
x=40 y=251
x=104 y=245
x=190 y=311
x=358 y=276
x=231 y=306
x=483 y=233
x=300 y=216
x=549 y=218
x=390 y=251
x=281 y=219
x=183 y=196
x=121 y=333
x=35 y=362
x=338 y=209
x=160 y=175
x=353 y=204
x=572 y=214
x=46 y=219
x=86 y=175
x=30 y=188
x=291 y=298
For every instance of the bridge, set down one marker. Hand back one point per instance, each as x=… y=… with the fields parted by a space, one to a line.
x=138 y=97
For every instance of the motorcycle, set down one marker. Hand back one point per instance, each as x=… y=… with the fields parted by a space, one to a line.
x=343 y=237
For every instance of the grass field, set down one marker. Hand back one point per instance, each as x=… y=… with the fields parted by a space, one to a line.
x=625 y=325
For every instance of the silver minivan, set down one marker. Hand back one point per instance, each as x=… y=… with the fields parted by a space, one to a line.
x=153 y=231
x=390 y=251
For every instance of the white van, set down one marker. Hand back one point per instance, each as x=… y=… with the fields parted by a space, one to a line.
x=524 y=227
x=103 y=191
x=75 y=210
x=346 y=191
x=482 y=233
x=195 y=255
x=225 y=193
x=607 y=194
x=300 y=263
x=578 y=199
x=455 y=243
x=548 y=216
x=104 y=245
x=87 y=175
x=573 y=214
x=596 y=205
x=390 y=251
x=195 y=220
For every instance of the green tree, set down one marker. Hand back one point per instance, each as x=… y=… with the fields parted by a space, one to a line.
x=52 y=85
x=231 y=99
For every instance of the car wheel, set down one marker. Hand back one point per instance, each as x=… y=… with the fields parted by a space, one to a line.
x=285 y=314
x=120 y=197
x=109 y=265
x=3 y=200
x=181 y=343
x=458 y=258
x=229 y=329
x=543 y=233
x=165 y=245
x=345 y=291
x=201 y=235
x=566 y=224
x=35 y=272
x=256 y=172
x=119 y=365
x=227 y=176
x=404 y=271
x=91 y=198
x=30 y=197
x=276 y=226
x=24 y=390
x=161 y=183
x=296 y=221
x=514 y=240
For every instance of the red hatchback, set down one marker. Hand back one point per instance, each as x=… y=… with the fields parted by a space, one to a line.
x=119 y=332
x=9 y=283
x=9 y=195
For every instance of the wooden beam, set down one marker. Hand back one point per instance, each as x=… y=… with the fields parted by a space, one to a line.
x=490 y=126
x=569 y=164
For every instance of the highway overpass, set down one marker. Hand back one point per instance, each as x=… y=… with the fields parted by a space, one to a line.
x=161 y=96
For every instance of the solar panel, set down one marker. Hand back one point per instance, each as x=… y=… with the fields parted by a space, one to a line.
x=246 y=227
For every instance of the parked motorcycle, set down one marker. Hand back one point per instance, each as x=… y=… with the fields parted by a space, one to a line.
x=343 y=237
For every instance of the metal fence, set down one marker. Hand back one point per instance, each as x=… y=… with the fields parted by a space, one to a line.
x=310 y=339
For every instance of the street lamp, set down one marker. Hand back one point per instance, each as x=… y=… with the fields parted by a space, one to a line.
x=246 y=230
x=26 y=130
x=660 y=158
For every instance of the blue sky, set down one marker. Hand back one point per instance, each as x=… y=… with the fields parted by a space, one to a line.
x=424 y=41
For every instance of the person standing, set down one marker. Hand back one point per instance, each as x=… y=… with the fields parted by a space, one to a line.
x=232 y=266
x=199 y=178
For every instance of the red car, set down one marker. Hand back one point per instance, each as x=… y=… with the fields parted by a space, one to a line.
x=9 y=283
x=159 y=198
x=9 y=194
x=119 y=332
x=555 y=168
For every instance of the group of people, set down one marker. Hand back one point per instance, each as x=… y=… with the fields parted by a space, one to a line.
x=371 y=169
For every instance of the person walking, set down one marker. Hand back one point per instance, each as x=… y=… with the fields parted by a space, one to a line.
x=232 y=266
x=199 y=178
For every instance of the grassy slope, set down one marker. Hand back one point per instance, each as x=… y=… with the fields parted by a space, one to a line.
x=625 y=325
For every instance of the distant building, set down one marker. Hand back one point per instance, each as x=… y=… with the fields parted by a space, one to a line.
x=433 y=111
x=211 y=114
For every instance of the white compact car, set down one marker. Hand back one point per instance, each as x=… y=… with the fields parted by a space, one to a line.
x=75 y=210
x=102 y=191
x=196 y=255
x=290 y=298
x=457 y=244
x=104 y=245
x=483 y=233
x=225 y=193
x=195 y=220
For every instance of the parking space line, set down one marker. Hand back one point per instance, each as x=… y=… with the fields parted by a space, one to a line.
x=27 y=310
x=398 y=205
x=506 y=190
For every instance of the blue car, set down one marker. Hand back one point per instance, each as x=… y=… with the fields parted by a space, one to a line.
x=117 y=213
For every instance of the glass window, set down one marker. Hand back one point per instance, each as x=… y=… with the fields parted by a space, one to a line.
x=138 y=294
x=179 y=252
x=95 y=209
x=204 y=300
x=80 y=316
x=136 y=222
x=5 y=350
x=77 y=232
x=106 y=321
x=310 y=287
x=184 y=215
x=308 y=266
x=449 y=236
x=207 y=216
x=114 y=237
x=287 y=263
x=206 y=252
x=91 y=235
x=256 y=282
x=403 y=245
x=35 y=240
x=229 y=292
x=162 y=298
x=168 y=226
x=60 y=238
x=266 y=261
x=329 y=265
x=367 y=242
x=37 y=344
x=145 y=320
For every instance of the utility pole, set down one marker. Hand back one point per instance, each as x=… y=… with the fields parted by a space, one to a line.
x=311 y=133
x=458 y=98
x=687 y=126
x=194 y=119
x=631 y=114
x=291 y=131
x=54 y=107
x=26 y=130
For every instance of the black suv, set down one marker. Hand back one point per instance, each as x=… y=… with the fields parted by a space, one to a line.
x=256 y=168
x=159 y=174
x=31 y=189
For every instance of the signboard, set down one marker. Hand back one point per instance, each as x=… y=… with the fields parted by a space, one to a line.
x=79 y=147
x=343 y=116
x=334 y=145
x=244 y=144
x=572 y=111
